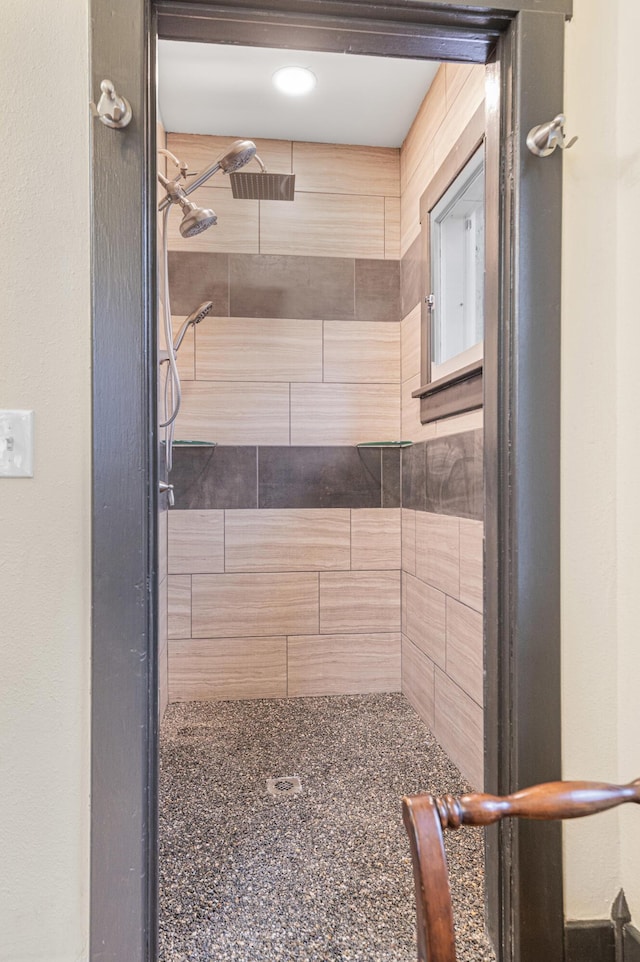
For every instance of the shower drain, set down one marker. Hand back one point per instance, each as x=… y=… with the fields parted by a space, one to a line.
x=284 y=785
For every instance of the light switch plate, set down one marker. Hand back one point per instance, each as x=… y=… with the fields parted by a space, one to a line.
x=16 y=444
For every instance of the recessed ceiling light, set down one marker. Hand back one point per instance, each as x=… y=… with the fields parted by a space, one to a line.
x=294 y=81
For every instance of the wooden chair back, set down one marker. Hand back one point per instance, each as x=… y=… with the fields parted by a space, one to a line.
x=425 y=817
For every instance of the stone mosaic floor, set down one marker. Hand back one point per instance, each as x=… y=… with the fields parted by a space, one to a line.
x=319 y=876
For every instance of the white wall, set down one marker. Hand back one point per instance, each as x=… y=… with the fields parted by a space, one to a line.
x=44 y=522
x=600 y=448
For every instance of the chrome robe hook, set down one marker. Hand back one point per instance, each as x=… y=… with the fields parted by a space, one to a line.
x=112 y=110
x=544 y=139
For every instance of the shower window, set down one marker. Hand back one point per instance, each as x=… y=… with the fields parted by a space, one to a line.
x=453 y=251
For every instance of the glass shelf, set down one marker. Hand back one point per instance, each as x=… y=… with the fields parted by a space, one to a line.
x=384 y=444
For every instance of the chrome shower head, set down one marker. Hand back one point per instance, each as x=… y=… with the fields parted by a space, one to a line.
x=196 y=219
x=194 y=318
x=239 y=154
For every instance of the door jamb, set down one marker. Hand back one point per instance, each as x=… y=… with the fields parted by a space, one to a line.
x=521 y=483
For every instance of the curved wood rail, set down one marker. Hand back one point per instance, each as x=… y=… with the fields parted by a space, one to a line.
x=425 y=817
x=552 y=800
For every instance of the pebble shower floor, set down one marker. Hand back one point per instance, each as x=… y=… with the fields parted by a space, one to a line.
x=323 y=875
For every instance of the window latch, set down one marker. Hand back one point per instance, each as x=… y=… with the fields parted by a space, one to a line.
x=430 y=301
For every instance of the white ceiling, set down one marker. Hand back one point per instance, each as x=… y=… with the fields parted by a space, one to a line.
x=227 y=90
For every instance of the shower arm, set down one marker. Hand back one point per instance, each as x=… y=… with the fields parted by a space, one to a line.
x=198 y=182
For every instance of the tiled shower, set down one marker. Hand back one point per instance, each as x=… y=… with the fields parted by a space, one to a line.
x=305 y=555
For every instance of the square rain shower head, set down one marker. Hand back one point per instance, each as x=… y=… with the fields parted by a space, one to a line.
x=262 y=186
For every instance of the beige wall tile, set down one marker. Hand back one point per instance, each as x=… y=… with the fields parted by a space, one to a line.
x=345 y=169
x=403 y=601
x=392 y=228
x=237 y=229
x=254 y=605
x=456 y=75
x=465 y=659
x=361 y=351
x=410 y=339
x=323 y=225
x=186 y=355
x=471 y=421
x=459 y=729
x=234 y=413
x=410 y=200
x=409 y=540
x=426 y=617
x=287 y=540
x=423 y=129
x=343 y=664
x=412 y=428
x=344 y=413
x=259 y=349
x=467 y=101
x=438 y=552
x=179 y=606
x=375 y=538
x=359 y=601
x=206 y=669
x=196 y=542
x=199 y=151
x=418 y=681
x=471 y=563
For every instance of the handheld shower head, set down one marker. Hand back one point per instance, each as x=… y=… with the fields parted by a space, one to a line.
x=196 y=219
x=194 y=318
x=239 y=154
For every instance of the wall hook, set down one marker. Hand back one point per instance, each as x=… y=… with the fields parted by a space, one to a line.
x=544 y=139
x=112 y=110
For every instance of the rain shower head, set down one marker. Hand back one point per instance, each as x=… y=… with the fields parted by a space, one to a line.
x=194 y=318
x=256 y=185
x=196 y=219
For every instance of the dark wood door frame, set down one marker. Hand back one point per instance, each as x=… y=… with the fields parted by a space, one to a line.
x=523 y=40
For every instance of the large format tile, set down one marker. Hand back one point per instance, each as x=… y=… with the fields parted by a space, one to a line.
x=179 y=606
x=412 y=427
x=323 y=225
x=237 y=228
x=319 y=477
x=392 y=227
x=361 y=351
x=409 y=540
x=344 y=413
x=359 y=601
x=426 y=619
x=391 y=477
x=196 y=277
x=254 y=605
x=375 y=539
x=411 y=338
x=204 y=669
x=234 y=413
x=259 y=349
x=343 y=664
x=291 y=286
x=215 y=477
x=414 y=477
x=455 y=475
x=458 y=727
x=377 y=290
x=471 y=563
x=418 y=681
x=196 y=542
x=287 y=540
x=346 y=169
x=438 y=552
x=199 y=151
x=412 y=278
x=465 y=655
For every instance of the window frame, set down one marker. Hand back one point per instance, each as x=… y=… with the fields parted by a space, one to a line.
x=461 y=390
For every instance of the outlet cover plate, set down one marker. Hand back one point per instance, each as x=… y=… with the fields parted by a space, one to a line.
x=16 y=444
